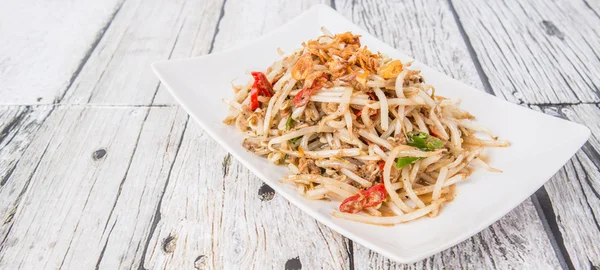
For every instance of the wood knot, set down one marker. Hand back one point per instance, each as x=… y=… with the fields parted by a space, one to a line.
x=98 y=154
x=10 y=216
x=266 y=193
x=168 y=244
x=552 y=30
x=293 y=264
x=200 y=262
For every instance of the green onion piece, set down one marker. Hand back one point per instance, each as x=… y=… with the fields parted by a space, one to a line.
x=403 y=161
x=289 y=123
x=423 y=141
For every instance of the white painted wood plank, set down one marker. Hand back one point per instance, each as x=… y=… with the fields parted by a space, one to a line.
x=90 y=200
x=119 y=72
x=43 y=45
x=18 y=127
x=594 y=6
x=245 y=21
x=215 y=213
x=536 y=51
x=141 y=189
x=196 y=37
x=427 y=31
x=67 y=187
x=574 y=191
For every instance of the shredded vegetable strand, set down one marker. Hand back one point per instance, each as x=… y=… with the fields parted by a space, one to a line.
x=388 y=183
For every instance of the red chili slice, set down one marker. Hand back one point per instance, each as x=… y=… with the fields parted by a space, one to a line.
x=375 y=195
x=353 y=204
x=364 y=199
x=254 y=98
x=262 y=83
x=381 y=165
x=261 y=86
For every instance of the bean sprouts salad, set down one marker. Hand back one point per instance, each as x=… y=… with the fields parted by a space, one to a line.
x=360 y=128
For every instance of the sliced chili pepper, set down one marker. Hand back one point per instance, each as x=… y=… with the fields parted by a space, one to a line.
x=262 y=83
x=375 y=195
x=364 y=199
x=381 y=165
x=304 y=95
x=353 y=204
x=261 y=86
x=254 y=98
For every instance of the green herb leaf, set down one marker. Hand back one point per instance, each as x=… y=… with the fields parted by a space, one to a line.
x=403 y=161
x=295 y=140
x=289 y=123
x=423 y=141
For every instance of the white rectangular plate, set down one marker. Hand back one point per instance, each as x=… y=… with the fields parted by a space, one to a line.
x=541 y=144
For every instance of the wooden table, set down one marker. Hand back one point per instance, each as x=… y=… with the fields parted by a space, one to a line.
x=100 y=168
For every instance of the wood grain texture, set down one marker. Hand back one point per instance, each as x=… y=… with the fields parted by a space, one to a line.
x=65 y=178
x=196 y=37
x=574 y=190
x=43 y=46
x=18 y=127
x=429 y=33
x=141 y=189
x=119 y=71
x=536 y=51
x=245 y=21
x=90 y=199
